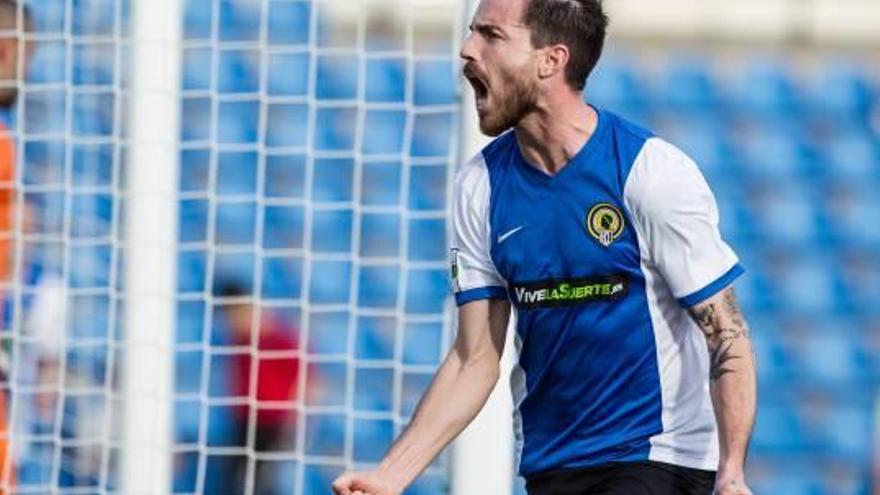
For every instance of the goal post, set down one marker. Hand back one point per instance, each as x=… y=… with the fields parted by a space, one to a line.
x=150 y=246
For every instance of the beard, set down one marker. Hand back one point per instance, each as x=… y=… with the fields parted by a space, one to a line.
x=501 y=106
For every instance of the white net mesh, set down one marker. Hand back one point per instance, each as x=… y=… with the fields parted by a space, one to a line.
x=317 y=142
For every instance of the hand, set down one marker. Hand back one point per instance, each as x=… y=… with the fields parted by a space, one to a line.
x=731 y=485
x=364 y=483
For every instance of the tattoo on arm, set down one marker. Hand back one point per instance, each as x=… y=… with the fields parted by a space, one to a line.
x=720 y=356
x=722 y=324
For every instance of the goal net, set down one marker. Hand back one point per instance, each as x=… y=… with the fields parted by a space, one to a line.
x=227 y=240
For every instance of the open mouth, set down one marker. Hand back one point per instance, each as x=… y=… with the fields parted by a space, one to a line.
x=481 y=89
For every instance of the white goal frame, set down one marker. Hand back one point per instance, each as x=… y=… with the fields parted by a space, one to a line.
x=151 y=246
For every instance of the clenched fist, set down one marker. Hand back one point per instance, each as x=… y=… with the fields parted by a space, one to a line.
x=364 y=483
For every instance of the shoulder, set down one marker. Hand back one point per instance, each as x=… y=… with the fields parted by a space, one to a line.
x=663 y=175
x=473 y=176
x=627 y=130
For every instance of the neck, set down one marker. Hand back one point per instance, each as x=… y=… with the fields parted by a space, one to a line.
x=551 y=135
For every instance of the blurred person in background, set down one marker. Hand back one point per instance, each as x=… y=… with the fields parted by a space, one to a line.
x=274 y=385
x=15 y=21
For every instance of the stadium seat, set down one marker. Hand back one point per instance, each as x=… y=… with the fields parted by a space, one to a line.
x=426 y=290
x=49 y=64
x=385 y=80
x=688 y=86
x=422 y=344
x=281 y=278
x=770 y=154
x=768 y=90
x=198 y=16
x=373 y=388
x=283 y=227
x=377 y=286
x=376 y=338
x=331 y=231
x=618 y=86
x=844 y=92
x=193 y=220
x=237 y=71
x=380 y=235
x=845 y=428
x=435 y=82
x=331 y=283
x=380 y=183
x=427 y=239
x=427 y=187
x=93 y=64
x=289 y=23
x=775 y=358
x=329 y=332
x=287 y=126
x=236 y=174
x=325 y=436
x=288 y=74
x=703 y=138
x=778 y=429
x=809 y=285
x=239 y=20
x=854 y=213
x=234 y=223
x=285 y=176
x=372 y=438
x=335 y=129
x=337 y=77
x=383 y=132
x=196 y=119
x=332 y=181
x=852 y=156
x=238 y=122
x=789 y=218
x=830 y=355
x=432 y=135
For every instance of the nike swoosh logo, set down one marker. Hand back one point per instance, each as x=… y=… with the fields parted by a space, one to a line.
x=503 y=237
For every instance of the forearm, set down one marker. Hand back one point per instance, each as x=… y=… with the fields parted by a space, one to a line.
x=731 y=375
x=458 y=392
x=733 y=397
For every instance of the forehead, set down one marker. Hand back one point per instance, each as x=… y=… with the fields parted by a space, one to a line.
x=500 y=12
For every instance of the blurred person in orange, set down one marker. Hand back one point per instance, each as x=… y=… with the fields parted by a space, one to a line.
x=15 y=21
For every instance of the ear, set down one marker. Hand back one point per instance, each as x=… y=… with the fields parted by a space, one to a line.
x=553 y=61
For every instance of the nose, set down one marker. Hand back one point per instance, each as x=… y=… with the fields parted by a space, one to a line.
x=467 y=52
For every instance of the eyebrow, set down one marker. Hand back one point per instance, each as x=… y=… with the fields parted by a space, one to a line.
x=482 y=27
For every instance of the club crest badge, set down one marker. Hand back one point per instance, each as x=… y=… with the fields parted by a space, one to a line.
x=605 y=223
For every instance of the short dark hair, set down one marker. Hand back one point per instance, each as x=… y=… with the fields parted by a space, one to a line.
x=578 y=24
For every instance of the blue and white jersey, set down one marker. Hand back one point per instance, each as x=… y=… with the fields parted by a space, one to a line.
x=601 y=262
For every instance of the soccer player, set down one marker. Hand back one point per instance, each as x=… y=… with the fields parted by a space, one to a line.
x=635 y=371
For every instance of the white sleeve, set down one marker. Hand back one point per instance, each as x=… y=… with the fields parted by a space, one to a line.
x=474 y=275
x=677 y=219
